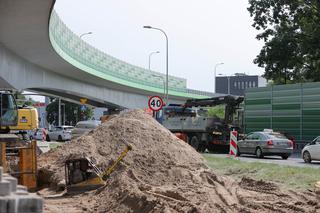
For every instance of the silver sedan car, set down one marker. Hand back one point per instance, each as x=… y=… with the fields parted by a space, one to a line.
x=311 y=151
x=265 y=143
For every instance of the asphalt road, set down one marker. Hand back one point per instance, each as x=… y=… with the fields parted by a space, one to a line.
x=294 y=160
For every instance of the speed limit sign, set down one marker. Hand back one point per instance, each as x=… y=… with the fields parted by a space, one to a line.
x=155 y=103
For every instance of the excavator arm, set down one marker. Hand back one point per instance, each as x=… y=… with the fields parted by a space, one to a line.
x=231 y=103
x=108 y=171
x=210 y=102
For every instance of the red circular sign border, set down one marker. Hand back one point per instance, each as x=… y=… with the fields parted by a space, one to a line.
x=155 y=96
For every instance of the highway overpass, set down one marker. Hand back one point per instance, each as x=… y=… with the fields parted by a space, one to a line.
x=40 y=53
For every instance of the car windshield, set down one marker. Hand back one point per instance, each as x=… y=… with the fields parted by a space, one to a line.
x=68 y=128
x=81 y=125
x=276 y=136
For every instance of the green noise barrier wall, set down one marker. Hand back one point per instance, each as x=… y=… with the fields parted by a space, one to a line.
x=293 y=109
x=95 y=62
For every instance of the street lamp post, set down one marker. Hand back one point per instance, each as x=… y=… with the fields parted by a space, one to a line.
x=215 y=75
x=228 y=77
x=167 y=59
x=64 y=113
x=59 y=112
x=164 y=84
x=83 y=34
x=150 y=58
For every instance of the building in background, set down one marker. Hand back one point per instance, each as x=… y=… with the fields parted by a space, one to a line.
x=238 y=83
x=98 y=112
x=41 y=107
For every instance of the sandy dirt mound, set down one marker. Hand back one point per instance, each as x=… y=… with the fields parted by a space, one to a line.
x=160 y=174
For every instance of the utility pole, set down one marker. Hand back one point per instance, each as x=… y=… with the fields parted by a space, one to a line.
x=59 y=112
x=167 y=60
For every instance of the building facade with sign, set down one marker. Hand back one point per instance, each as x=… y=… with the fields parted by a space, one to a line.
x=42 y=113
x=237 y=84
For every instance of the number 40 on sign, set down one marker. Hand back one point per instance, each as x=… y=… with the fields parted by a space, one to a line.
x=155 y=103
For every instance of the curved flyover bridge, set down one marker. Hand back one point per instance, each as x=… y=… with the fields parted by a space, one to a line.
x=38 y=52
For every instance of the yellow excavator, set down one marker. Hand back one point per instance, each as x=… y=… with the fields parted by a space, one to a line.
x=28 y=119
x=81 y=174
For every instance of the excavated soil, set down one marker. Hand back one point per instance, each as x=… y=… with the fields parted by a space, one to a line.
x=160 y=174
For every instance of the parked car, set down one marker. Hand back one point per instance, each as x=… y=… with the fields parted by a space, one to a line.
x=38 y=134
x=83 y=127
x=60 y=133
x=311 y=151
x=265 y=143
x=290 y=137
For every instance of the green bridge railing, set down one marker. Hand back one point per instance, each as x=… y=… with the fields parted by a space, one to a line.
x=93 y=61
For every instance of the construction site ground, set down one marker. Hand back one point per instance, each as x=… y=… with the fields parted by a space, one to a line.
x=294 y=160
x=164 y=174
x=287 y=177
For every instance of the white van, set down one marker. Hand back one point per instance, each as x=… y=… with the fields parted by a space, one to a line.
x=83 y=127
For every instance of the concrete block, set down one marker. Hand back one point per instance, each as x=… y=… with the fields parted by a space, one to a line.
x=12 y=204
x=29 y=204
x=16 y=199
x=21 y=192
x=24 y=204
x=13 y=181
x=5 y=188
x=21 y=187
x=3 y=204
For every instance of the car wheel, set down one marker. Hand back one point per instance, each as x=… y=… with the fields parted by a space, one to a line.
x=238 y=152
x=59 y=138
x=259 y=153
x=194 y=142
x=31 y=138
x=284 y=157
x=306 y=157
x=48 y=138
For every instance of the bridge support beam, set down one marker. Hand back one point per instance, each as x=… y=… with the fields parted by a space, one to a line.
x=19 y=74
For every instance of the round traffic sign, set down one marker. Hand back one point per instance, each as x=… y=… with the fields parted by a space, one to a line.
x=155 y=103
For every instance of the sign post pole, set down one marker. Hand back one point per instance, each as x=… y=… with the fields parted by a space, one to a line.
x=155 y=103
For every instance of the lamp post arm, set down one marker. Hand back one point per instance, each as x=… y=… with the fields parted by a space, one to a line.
x=83 y=34
x=167 y=62
x=149 y=67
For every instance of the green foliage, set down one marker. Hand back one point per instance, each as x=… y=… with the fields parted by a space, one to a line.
x=289 y=177
x=290 y=30
x=23 y=100
x=73 y=113
x=217 y=111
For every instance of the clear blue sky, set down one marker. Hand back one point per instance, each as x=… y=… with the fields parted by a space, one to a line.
x=201 y=34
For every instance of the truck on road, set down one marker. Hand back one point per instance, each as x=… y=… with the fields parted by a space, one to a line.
x=191 y=122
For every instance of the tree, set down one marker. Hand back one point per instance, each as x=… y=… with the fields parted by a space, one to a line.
x=21 y=99
x=290 y=30
x=217 y=111
x=73 y=113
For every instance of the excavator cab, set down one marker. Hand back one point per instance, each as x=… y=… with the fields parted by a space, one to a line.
x=82 y=175
x=8 y=110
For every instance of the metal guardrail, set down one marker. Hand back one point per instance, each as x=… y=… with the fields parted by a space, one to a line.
x=199 y=92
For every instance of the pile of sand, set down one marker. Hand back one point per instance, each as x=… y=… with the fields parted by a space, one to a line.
x=160 y=174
